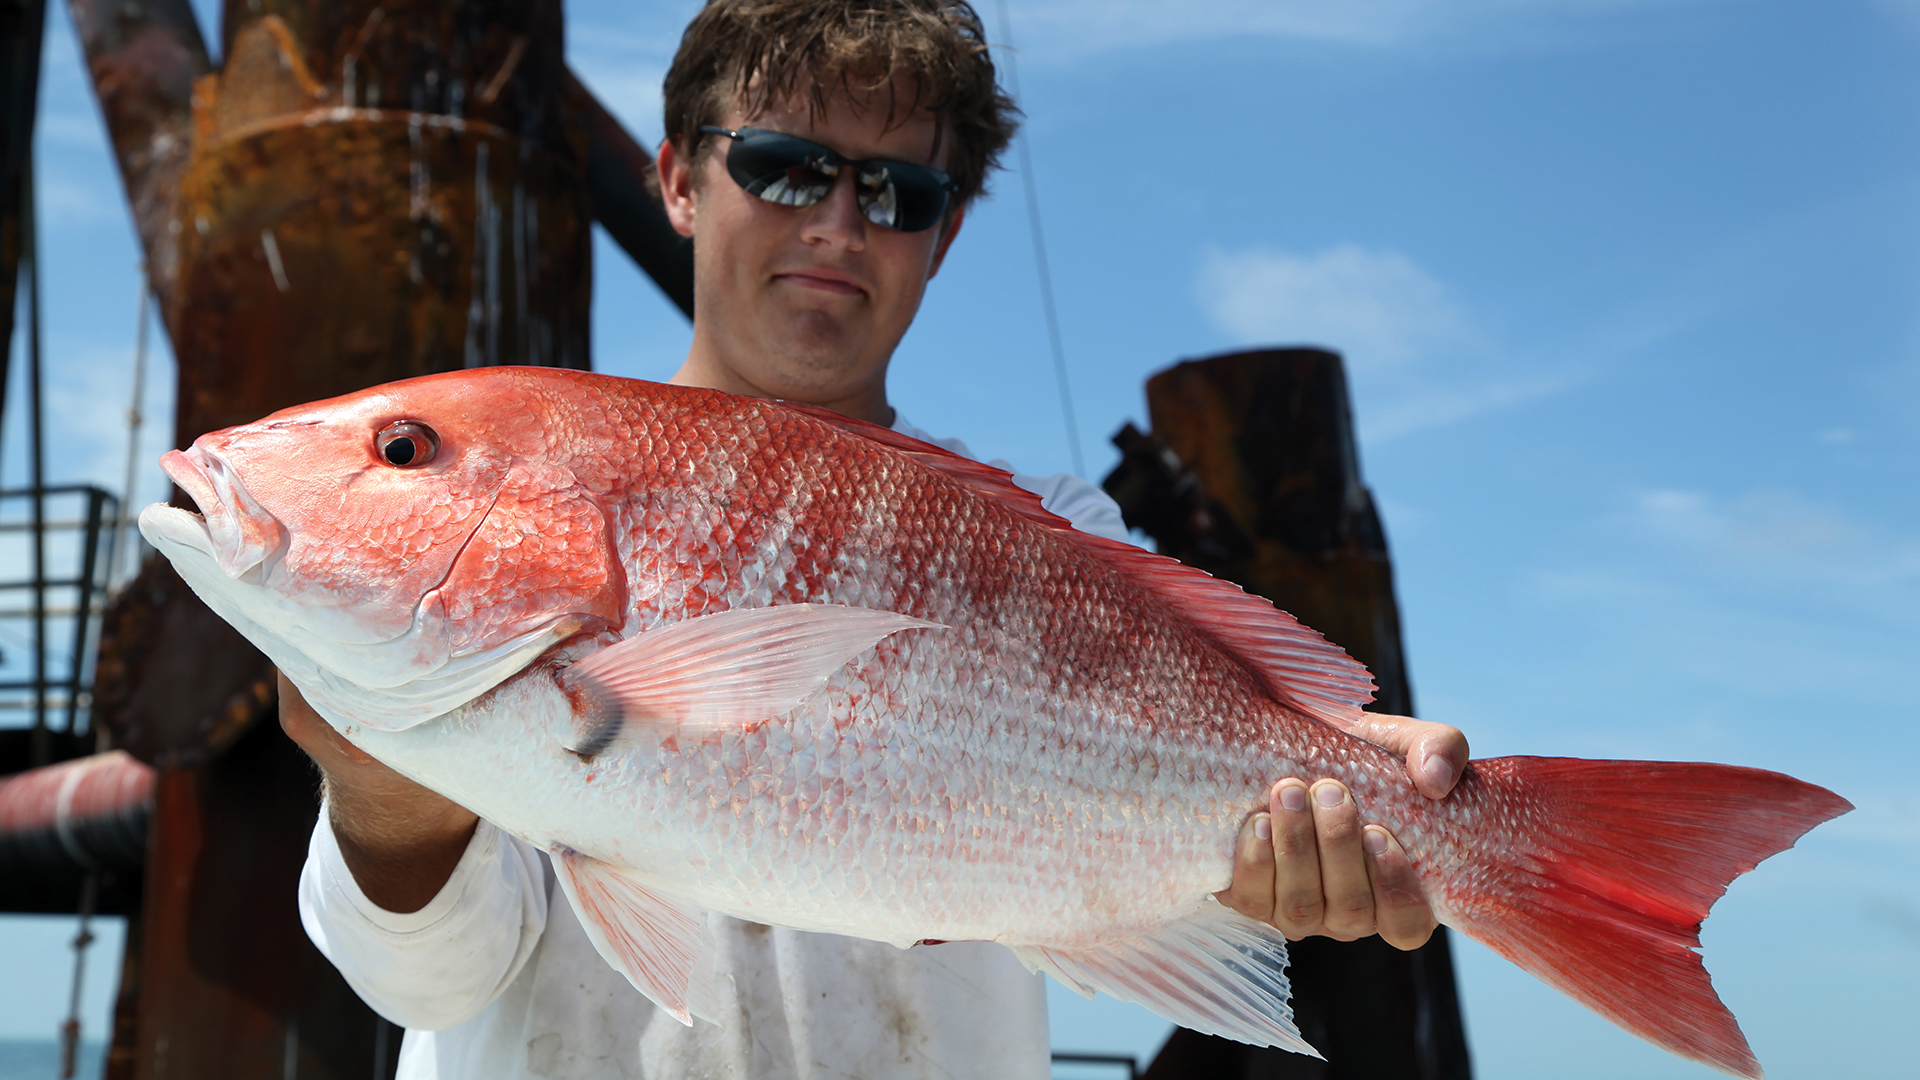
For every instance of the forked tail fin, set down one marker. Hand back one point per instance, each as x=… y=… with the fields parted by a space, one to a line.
x=1610 y=868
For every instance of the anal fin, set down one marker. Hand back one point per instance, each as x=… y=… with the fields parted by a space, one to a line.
x=659 y=944
x=1215 y=971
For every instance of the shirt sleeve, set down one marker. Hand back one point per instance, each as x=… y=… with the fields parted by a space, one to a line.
x=441 y=965
x=1086 y=506
x=1090 y=509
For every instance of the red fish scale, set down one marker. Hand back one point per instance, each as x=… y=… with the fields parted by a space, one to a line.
x=1007 y=747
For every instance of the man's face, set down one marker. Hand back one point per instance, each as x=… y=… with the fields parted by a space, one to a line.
x=804 y=303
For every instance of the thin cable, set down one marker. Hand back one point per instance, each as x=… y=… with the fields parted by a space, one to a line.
x=133 y=440
x=30 y=249
x=1040 y=254
x=70 y=1031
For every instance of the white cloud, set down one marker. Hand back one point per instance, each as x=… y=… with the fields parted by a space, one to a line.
x=1433 y=404
x=89 y=392
x=1738 y=608
x=1904 y=12
x=623 y=51
x=1416 y=359
x=1780 y=534
x=1070 y=28
x=1377 y=307
x=67 y=198
x=73 y=128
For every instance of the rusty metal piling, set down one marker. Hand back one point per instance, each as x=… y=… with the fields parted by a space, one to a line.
x=363 y=191
x=1252 y=474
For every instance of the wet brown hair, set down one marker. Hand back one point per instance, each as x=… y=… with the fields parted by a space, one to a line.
x=752 y=52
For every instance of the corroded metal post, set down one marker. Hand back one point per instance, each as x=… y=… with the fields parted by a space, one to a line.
x=1252 y=474
x=364 y=191
x=375 y=191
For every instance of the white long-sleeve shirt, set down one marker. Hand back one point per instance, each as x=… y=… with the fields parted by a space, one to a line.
x=494 y=978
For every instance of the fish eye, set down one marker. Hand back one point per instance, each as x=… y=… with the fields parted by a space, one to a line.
x=406 y=444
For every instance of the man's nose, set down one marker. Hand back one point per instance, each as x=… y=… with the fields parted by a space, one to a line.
x=837 y=219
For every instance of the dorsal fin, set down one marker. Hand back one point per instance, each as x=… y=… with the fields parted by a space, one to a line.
x=1297 y=664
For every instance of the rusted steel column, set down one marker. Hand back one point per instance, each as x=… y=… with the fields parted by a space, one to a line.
x=229 y=986
x=372 y=191
x=1252 y=474
x=364 y=192
x=378 y=190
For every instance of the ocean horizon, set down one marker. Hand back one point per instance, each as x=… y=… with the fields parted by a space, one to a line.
x=39 y=1059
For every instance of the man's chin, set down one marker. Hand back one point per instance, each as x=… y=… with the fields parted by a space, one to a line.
x=816 y=337
x=833 y=373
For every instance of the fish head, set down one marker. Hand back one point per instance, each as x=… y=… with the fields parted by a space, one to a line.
x=399 y=551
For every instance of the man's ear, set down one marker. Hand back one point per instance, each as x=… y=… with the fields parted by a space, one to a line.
x=948 y=230
x=675 y=169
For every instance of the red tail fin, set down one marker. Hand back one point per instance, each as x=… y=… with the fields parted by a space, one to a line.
x=1610 y=869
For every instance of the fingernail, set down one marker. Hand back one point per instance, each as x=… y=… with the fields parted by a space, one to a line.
x=1293 y=798
x=1374 y=840
x=1329 y=794
x=1263 y=827
x=1439 y=772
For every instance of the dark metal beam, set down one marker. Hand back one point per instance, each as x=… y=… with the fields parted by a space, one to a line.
x=626 y=201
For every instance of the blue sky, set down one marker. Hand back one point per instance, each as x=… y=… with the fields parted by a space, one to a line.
x=1627 y=289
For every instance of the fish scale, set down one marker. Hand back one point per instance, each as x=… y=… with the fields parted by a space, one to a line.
x=719 y=654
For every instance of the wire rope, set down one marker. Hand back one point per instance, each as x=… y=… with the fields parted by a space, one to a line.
x=36 y=483
x=1040 y=252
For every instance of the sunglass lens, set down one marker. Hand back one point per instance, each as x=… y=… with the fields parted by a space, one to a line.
x=790 y=171
x=903 y=196
x=780 y=169
x=795 y=186
x=879 y=196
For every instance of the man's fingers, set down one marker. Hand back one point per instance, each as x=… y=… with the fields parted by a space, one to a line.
x=1251 y=893
x=1437 y=758
x=1435 y=753
x=1399 y=905
x=1297 y=902
x=1344 y=878
x=313 y=734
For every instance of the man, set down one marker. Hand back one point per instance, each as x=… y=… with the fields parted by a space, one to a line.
x=822 y=156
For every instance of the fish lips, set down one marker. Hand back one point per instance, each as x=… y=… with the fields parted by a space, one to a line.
x=241 y=534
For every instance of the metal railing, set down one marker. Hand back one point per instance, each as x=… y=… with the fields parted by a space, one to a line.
x=1113 y=1061
x=58 y=668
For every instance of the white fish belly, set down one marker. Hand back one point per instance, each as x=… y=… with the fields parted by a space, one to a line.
x=907 y=800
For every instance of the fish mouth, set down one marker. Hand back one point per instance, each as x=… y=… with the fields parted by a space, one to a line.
x=232 y=526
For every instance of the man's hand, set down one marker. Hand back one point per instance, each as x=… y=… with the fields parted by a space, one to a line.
x=401 y=840
x=1308 y=866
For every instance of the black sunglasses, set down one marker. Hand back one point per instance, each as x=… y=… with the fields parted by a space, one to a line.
x=790 y=171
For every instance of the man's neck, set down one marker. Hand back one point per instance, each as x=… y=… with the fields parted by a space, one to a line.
x=701 y=370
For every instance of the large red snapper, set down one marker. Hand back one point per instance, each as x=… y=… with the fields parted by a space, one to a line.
x=715 y=653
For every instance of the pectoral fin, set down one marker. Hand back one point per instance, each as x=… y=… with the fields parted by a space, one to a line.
x=726 y=669
x=659 y=944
